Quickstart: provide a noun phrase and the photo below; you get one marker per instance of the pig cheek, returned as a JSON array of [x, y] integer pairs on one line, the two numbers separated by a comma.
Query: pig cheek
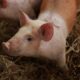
[[14, 45], [28, 49]]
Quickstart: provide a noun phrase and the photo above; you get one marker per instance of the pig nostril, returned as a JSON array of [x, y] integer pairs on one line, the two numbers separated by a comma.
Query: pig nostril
[[5, 46]]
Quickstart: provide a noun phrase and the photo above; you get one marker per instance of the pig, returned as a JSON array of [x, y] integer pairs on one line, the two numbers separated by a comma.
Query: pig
[[10, 8], [46, 35]]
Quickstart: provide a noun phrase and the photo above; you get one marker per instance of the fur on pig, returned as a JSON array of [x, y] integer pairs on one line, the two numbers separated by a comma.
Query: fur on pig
[[10, 8], [39, 38]]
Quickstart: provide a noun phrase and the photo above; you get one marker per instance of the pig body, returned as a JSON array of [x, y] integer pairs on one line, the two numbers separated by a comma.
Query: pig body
[[55, 48], [45, 36], [10, 8]]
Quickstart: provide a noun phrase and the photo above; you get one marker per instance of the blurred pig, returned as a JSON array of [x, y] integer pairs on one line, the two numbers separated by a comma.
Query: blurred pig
[[10, 8]]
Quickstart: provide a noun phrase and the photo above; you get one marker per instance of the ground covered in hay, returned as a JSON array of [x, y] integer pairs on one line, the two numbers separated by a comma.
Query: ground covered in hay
[[22, 68]]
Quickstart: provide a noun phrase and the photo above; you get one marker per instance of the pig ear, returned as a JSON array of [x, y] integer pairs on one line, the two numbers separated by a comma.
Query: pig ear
[[23, 18], [46, 31]]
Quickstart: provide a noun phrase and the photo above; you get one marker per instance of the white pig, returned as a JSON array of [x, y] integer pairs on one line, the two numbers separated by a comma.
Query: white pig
[[10, 8], [45, 36]]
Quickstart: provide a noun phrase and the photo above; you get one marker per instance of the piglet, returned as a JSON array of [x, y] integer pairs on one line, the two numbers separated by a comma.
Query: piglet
[[10, 8], [45, 36]]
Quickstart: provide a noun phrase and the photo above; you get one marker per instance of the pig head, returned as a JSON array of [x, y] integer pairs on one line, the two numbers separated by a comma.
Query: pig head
[[27, 41]]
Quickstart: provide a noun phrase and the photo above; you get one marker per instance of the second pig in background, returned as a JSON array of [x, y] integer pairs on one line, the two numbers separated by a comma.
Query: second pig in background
[[10, 8]]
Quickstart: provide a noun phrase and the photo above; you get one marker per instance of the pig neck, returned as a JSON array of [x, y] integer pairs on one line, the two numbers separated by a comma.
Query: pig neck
[[60, 27]]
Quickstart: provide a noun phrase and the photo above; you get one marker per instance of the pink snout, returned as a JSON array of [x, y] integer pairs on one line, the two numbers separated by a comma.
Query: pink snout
[[6, 46], [11, 45]]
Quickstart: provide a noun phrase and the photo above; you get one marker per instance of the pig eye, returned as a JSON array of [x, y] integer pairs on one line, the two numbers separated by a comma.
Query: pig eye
[[29, 39]]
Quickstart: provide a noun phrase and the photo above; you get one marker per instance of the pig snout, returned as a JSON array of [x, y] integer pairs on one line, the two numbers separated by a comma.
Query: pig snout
[[10, 46], [6, 46]]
